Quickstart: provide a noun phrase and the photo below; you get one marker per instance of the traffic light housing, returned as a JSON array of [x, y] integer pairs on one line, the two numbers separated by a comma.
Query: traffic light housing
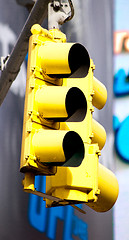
[[90, 183], [60, 137]]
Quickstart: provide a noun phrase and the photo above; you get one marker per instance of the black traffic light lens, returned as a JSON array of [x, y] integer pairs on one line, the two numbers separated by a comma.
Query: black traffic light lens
[[79, 61], [73, 149], [76, 105]]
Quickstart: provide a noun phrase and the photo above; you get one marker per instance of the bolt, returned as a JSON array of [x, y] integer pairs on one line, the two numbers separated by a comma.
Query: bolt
[[36, 29]]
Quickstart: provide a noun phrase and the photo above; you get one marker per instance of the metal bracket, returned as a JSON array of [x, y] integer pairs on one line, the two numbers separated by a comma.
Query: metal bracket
[[59, 12], [54, 199]]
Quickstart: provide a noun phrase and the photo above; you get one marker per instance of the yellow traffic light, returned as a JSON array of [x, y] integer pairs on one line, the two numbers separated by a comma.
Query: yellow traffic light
[[45, 143], [89, 183], [60, 137]]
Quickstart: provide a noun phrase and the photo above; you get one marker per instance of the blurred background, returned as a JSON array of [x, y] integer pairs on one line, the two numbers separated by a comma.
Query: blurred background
[[102, 27]]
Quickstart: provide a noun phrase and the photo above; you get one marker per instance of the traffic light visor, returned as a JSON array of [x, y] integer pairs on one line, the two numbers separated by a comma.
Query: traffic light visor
[[63, 60], [61, 103], [58, 148]]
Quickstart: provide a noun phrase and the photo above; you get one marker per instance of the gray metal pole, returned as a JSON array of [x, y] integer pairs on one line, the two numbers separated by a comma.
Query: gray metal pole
[[8, 75]]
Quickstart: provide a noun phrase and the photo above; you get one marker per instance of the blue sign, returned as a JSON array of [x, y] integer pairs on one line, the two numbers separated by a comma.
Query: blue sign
[[45, 219], [121, 89]]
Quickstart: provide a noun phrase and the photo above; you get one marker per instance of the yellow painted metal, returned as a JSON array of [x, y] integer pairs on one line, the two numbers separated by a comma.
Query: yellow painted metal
[[99, 134], [29, 181], [60, 137], [96, 185], [54, 58], [52, 146], [58, 59], [51, 101], [48, 145], [32, 122], [100, 94], [109, 190], [62, 59], [37, 29], [78, 184], [82, 184], [37, 118]]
